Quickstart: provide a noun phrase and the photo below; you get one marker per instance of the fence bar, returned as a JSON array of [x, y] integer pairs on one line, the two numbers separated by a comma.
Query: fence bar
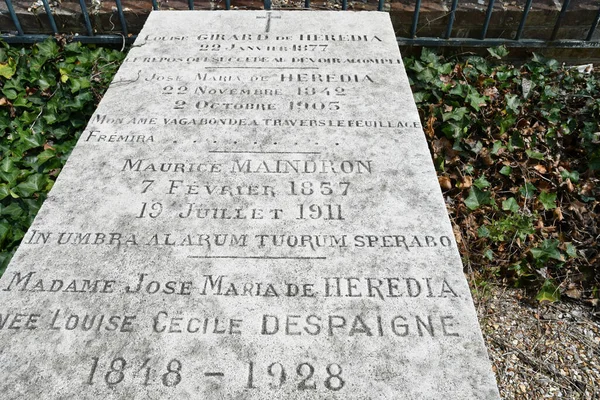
[[154, 5], [96, 39], [522, 23], [14, 17], [86, 18], [267, 4], [523, 43], [306, 3], [451, 21], [413, 28], [380, 5], [50, 17], [227, 4], [594, 26], [121, 17], [488, 18], [344, 5], [563, 11], [191, 4]]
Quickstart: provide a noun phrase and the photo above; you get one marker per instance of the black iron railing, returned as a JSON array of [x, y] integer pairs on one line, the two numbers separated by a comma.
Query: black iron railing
[[19, 36]]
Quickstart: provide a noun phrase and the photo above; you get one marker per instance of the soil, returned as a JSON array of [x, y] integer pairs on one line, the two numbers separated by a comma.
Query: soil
[[540, 350]]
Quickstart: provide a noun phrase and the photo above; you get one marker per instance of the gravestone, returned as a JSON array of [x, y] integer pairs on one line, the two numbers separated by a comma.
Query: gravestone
[[251, 213]]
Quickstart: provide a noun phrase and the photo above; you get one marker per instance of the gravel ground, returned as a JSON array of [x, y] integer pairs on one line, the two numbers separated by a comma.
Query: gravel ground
[[541, 351]]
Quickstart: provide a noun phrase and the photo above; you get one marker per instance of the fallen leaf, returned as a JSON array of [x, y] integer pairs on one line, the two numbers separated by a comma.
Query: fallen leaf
[[558, 214], [467, 182], [445, 183], [573, 293], [587, 189], [570, 186], [485, 157]]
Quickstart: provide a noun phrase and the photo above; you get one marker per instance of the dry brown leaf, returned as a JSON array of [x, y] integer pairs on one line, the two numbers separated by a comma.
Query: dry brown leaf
[[570, 186], [558, 214], [587, 189], [457, 234], [467, 182], [540, 168], [491, 92], [429, 126], [3, 101], [485, 157], [573, 293], [540, 224], [445, 183]]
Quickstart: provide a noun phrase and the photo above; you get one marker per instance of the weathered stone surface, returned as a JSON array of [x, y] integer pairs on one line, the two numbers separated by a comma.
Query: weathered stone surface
[[251, 213]]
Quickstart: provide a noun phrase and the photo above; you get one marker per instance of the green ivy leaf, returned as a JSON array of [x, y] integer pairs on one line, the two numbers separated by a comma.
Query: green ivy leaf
[[489, 254], [46, 155], [483, 232], [475, 100], [34, 183], [548, 200], [9, 177], [548, 250], [477, 198], [521, 270], [571, 250], [30, 140], [497, 147], [421, 97], [498, 52], [48, 48], [573, 176], [548, 292], [506, 170], [513, 103], [456, 114], [7, 164], [8, 69], [481, 182], [13, 210], [527, 190], [78, 84], [4, 191], [510, 204], [4, 231], [458, 90], [503, 75], [534, 154], [10, 94], [64, 75], [516, 140]]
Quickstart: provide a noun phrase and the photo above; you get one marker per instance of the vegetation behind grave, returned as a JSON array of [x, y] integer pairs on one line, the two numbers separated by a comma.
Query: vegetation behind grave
[[517, 152], [48, 93]]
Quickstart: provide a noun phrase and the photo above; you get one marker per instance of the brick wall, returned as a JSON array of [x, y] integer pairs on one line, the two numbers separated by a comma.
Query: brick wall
[[433, 18]]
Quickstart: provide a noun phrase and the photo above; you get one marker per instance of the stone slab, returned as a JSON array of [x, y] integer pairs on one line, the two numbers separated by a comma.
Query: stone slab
[[251, 213]]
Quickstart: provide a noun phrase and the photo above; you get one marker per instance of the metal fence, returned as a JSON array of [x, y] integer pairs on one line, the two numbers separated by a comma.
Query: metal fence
[[19, 36]]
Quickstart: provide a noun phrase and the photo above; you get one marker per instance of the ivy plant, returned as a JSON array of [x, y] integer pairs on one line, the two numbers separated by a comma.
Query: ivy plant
[[47, 94]]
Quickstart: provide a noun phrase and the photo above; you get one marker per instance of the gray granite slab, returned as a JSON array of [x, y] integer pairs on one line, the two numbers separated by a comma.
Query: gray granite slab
[[251, 213]]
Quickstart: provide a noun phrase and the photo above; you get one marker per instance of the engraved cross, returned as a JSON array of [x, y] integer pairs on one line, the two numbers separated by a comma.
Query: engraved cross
[[268, 17]]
